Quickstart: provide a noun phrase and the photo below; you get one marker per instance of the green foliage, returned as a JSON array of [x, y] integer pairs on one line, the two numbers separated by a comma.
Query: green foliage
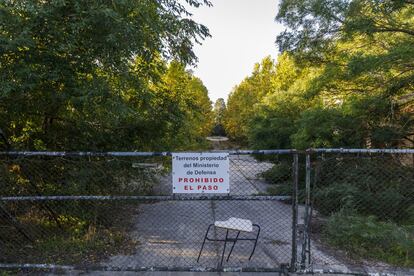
[[367, 186], [87, 236], [278, 173], [344, 79], [100, 76], [336, 197], [219, 113], [76, 176], [363, 48], [367, 237], [280, 179], [78, 75], [274, 122], [189, 116], [368, 205], [326, 128], [241, 101]]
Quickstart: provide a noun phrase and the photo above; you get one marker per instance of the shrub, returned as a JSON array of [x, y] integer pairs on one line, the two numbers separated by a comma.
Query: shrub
[[335, 197], [365, 236], [281, 178], [280, 172], [382, 187]]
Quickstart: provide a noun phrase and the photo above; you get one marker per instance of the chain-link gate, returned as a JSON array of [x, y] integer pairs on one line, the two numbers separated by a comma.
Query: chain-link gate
[[116, 211], [359, 211], [330, 210]]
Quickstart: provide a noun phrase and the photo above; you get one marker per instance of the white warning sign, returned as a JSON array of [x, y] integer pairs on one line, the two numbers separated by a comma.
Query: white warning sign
[[205, 172]]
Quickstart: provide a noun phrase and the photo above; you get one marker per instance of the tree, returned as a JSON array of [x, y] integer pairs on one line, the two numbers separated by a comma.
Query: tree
[[191, 110], [219, 112], [243, 98], [365, 48], [74, 72], [275, 116]]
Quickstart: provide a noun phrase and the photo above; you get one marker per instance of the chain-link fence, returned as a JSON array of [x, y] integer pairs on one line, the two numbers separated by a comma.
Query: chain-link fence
[[360, 214], [325, 209], [116, 211]]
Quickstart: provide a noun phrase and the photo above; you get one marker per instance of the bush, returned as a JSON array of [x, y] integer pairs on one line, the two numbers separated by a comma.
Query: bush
[[365, 236], [281, 178], [381, 187], [280, 172], [75, 176], [333, 198]]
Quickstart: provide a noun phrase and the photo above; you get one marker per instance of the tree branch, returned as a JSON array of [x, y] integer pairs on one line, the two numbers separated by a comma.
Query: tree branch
[[394, 30]]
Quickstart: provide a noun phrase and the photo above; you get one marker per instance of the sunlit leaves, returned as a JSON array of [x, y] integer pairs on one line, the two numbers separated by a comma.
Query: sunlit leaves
[[89, 74]]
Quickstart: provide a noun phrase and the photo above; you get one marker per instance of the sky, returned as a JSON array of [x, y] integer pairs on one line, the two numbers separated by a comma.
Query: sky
[[243, 33]]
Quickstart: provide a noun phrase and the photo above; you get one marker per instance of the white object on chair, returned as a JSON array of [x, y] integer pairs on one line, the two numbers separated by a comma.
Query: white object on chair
[[237, 224]]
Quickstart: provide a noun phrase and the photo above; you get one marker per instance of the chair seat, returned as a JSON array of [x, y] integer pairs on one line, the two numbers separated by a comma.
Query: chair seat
[[238, 224]]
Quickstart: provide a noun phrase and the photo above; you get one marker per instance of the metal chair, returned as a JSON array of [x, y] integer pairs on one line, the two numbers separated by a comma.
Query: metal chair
[[232, 224]]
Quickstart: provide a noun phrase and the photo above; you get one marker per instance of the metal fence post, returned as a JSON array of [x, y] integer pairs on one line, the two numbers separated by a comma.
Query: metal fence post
[[306, 240], [294, 211]]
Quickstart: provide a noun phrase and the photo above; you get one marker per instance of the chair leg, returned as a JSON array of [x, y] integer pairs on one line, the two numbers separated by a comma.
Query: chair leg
[[255, 242], [204, 241], [224, 247], [234, 243]]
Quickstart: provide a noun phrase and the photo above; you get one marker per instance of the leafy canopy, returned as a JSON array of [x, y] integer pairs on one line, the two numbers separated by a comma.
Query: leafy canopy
[[89, 74]]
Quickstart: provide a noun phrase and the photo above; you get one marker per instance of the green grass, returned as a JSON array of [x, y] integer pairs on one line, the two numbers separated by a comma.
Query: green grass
[[92, 235], [72, 248], [366, 237], [81, 249]]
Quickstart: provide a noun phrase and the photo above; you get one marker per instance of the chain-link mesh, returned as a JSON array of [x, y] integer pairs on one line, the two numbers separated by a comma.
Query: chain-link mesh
[[118, 212], [362, 216]]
